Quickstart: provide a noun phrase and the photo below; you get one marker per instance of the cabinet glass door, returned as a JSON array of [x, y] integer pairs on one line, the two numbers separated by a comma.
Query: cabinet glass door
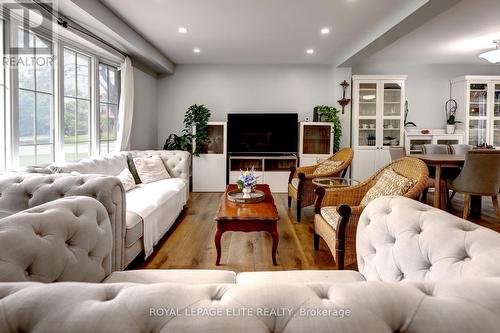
[[392, 114], [478, 100], [216, 143], [477, 131], [392, 99], [367, 135], [496, 117], [316, 139], [416, 144], [367, 99]]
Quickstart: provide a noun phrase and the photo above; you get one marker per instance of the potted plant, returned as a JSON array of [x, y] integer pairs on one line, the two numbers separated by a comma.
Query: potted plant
[[330, 114], [451, 122], [195, 129]]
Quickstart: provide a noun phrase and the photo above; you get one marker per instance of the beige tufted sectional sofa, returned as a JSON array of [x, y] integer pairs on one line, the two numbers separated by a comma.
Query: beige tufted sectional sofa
[[94, 177], [421, 270]]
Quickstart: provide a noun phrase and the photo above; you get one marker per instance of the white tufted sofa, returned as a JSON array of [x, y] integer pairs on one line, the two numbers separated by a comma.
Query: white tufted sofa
[[25, 190], [413, 278]]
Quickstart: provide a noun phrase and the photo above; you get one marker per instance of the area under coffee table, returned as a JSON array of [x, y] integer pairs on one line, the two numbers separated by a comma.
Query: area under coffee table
[[261, 216]]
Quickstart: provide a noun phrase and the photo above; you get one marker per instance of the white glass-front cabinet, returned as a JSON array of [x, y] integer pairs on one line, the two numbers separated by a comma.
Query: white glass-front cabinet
[[378, 107], [209, 169], [478, 99]]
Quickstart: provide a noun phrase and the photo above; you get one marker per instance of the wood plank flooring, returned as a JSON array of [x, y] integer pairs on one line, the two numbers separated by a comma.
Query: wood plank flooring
[[190, 242]]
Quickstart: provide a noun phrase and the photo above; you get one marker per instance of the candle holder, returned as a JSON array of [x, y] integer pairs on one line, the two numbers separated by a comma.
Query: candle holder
[[344, 101]]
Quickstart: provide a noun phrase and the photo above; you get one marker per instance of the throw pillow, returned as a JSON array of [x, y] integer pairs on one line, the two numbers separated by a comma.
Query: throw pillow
[[389, 183], [127, 179], [150, 169], [327, 167], [133, 170]]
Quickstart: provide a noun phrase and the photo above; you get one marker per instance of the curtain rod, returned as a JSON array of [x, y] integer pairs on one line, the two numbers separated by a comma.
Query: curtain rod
[[71, 25]]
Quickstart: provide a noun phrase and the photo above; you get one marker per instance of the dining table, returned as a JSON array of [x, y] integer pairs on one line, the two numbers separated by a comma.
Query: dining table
[[439, 162]]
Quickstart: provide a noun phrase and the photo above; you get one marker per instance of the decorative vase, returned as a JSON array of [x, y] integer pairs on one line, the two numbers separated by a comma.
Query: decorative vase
[[246, 192], [450, 129]]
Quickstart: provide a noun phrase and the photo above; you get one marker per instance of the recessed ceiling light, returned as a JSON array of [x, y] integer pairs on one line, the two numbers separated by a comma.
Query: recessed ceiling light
[[325, 31], [196, 50], [183, 30], [310, 51]]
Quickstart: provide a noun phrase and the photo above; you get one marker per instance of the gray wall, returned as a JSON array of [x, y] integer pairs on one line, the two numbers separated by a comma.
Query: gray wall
[[232, 88], [428, 86], [144, 126]]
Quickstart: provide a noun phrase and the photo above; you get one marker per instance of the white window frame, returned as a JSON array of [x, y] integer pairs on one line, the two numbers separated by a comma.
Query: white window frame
[[10, 120], [98, 111]]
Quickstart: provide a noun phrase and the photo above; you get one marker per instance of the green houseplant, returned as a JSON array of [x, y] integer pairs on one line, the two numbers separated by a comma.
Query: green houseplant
[[331, 114], [195, 129]]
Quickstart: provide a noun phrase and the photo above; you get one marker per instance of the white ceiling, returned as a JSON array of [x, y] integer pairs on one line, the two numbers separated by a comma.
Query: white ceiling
[[456, 36], [261, 31]]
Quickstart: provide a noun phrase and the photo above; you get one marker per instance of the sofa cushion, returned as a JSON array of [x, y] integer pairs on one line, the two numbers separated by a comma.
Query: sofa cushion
[[307, 276], [133, 170], [150, 169], [327, 167], [331, 216], [187, 276], [134, 229], [389, 183], [127, 179]]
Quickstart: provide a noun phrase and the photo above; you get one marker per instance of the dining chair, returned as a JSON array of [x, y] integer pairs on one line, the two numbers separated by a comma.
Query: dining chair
[[480, 176], [397, 152], [435, 149], [300, 185], [337, 225], [460, 149]]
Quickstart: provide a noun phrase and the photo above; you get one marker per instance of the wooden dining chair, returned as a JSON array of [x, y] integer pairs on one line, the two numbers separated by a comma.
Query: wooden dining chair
[[480, 176]]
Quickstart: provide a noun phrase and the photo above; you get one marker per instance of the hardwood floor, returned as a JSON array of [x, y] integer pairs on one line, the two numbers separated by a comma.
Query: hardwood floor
[[190, 242]]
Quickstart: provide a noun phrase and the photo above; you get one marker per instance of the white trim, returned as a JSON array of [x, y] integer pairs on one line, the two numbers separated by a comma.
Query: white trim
[[379, 77]]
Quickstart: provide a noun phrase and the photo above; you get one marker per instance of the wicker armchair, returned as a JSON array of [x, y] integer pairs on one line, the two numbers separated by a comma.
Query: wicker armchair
[[342, 239], [300, 186]]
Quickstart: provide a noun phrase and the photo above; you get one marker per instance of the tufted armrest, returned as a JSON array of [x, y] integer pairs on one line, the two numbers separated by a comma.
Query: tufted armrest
[[67, 239], [23, 191], [403, 239]]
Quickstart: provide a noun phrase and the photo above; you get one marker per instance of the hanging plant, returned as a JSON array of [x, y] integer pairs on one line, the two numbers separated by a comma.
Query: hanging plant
[[331, 114]]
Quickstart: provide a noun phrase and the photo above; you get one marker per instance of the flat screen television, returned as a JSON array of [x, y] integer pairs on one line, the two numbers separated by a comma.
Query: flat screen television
[[262, 133]]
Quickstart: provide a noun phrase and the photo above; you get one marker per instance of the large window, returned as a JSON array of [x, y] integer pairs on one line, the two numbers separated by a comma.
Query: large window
[[62, 98], [109, 92], [35, 91], [77, 105]]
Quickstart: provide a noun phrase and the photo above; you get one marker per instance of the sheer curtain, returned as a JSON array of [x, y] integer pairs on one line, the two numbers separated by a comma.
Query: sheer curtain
[[126, 106]]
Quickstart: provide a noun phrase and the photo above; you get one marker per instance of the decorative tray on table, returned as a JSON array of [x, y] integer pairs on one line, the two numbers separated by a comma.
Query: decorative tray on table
[[237, 196]]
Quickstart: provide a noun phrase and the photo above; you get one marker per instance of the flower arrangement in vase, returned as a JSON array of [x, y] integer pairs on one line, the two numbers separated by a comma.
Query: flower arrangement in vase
[[247, 181]]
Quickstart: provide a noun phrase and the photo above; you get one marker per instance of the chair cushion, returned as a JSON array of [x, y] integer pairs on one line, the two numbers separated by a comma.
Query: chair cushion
[[295, 182], [306, 276], [134, 228], [186, 276], [331, 216], [389, 183], [327, 167]]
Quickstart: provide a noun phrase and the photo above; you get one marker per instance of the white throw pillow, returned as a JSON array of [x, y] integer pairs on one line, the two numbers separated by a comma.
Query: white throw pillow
[[127, 179], [150, 169]]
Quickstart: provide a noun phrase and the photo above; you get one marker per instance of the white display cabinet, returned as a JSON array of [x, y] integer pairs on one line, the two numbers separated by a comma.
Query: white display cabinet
[[378, 105], [209, 169], [478, 99], [315, 142], [414, 139]]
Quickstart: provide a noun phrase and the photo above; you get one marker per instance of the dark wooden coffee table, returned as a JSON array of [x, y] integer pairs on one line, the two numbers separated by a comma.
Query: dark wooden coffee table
[[261, 216]]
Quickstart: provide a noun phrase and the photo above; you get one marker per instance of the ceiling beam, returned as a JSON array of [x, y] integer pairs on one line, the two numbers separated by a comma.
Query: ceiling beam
[[422, 15], [99, 19]]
